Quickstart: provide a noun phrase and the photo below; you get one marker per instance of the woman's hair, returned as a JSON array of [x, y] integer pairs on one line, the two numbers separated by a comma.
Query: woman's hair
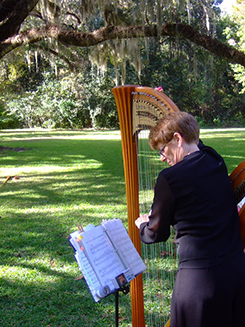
[[181, 122]]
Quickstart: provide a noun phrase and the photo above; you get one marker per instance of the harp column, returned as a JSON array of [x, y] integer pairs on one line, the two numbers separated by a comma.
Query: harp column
[[124, 106]]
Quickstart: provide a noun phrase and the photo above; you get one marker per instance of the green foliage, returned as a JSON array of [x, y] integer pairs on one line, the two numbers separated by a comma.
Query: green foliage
[[196, 81], [98, 98], [38, 90], [7, 121], [73, 101], [235, 36]]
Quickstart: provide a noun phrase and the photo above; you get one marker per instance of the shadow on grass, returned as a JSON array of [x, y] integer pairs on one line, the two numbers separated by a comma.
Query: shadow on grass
[[62, 182], [38, 277], [63, 302], [91, 168]]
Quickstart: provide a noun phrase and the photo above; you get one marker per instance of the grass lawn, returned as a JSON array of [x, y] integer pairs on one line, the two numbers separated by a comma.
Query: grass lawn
[[63, 178]]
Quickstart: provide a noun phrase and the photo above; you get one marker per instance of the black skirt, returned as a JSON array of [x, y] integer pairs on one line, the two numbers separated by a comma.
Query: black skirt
[[210, 297]]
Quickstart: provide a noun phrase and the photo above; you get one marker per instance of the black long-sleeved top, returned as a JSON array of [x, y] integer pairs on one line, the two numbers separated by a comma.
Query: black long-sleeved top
[[195, 197]]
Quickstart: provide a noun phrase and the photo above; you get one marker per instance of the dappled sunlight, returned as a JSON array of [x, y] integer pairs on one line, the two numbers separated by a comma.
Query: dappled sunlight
[[223, 133], [63, 182], [79, 162], [45, 293], [96, 214], [44, 134], [28, 276]]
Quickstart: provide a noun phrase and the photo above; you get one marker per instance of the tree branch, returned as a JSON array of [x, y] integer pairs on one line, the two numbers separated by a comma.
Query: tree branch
[[74, 38], [13, 13]]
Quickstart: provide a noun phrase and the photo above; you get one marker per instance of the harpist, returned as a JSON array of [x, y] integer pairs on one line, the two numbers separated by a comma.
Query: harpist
[[195, 196]]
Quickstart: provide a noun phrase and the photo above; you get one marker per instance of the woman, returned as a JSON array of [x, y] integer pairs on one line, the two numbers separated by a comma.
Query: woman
[[195, 196]]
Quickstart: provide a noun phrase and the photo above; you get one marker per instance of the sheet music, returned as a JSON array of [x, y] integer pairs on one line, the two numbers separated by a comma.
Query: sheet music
[[88, 274], [103, 253], [123, 242], [103, 256]]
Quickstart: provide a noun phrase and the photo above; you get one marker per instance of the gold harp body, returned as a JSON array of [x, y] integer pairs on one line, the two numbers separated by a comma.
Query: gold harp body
[[139, 108]]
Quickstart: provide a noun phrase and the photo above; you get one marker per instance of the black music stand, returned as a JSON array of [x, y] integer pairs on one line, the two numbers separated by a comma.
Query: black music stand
[[125, 290]]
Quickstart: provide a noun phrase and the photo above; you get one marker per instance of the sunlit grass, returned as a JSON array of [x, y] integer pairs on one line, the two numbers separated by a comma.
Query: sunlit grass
[[230, 143], [65, 177]]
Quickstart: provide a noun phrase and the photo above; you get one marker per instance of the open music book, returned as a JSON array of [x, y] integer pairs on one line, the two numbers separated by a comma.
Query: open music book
[[106, 257]]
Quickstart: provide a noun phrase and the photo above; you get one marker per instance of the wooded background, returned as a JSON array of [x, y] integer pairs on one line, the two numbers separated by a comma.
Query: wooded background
[[60, 59]]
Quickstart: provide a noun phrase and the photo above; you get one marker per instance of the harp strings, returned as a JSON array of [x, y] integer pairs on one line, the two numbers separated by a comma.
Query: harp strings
[[160, 259]]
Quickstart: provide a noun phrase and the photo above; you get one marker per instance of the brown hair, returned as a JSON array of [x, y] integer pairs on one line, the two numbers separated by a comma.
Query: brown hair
[[181, 122]]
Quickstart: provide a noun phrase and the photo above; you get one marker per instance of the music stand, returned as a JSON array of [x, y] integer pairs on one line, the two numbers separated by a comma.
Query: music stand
[[125, 290]]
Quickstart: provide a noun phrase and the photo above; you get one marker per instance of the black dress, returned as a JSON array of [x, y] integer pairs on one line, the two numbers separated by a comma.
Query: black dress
[[195, 197]]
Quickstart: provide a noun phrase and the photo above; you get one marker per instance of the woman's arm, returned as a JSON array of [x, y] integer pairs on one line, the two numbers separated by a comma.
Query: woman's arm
[[156, 227]]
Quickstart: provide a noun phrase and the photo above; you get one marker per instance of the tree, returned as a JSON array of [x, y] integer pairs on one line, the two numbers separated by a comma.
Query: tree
[[235, 34], [88, 23], [156, 42]]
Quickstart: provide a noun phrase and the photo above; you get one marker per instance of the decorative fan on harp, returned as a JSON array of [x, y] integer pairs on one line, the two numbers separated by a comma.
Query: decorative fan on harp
[[139, 108], [147, 109]]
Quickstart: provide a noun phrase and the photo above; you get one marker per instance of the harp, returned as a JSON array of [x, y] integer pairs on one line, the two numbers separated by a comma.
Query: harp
[[139, 108], [237, 178]]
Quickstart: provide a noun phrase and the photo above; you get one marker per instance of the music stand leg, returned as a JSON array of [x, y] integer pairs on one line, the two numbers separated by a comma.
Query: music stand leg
[[125, 290], [116, 307]]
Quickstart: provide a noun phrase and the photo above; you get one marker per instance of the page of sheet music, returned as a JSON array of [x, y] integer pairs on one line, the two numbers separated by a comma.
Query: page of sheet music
[[123, 242], [89, 274], [102, 256]]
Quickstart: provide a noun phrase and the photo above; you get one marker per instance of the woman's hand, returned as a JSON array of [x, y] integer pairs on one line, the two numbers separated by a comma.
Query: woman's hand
[[141, 219]]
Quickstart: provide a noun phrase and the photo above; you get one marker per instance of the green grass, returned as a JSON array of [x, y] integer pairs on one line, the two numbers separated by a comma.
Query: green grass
[[65, 177], [230, 143]]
